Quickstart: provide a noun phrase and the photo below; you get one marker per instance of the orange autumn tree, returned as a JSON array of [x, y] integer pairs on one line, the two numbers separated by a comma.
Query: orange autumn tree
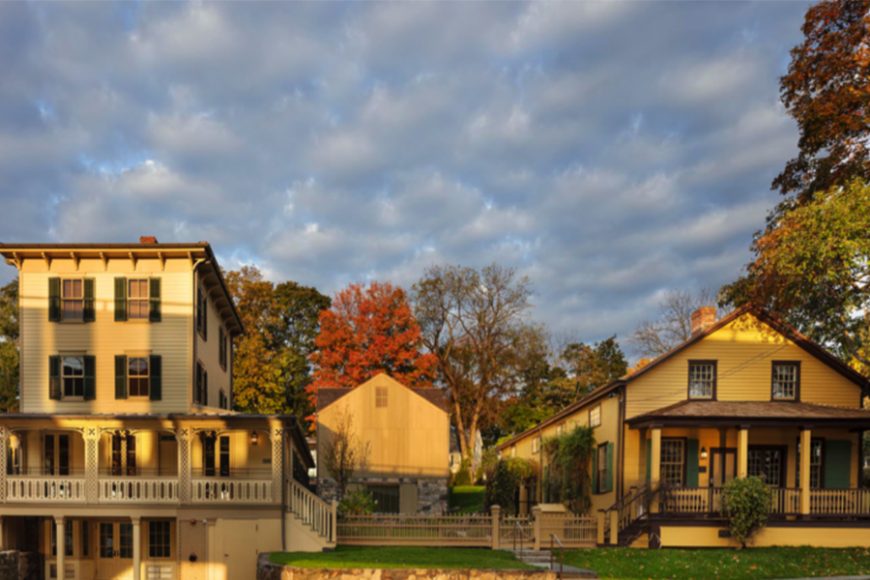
[[369, 330]]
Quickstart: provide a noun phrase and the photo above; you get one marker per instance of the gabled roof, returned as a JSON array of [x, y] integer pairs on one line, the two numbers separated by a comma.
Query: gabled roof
[[762, 315], [328, 395]]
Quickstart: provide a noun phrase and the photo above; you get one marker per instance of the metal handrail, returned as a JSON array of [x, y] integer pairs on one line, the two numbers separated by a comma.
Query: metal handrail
[[518, 532], [554, 539]]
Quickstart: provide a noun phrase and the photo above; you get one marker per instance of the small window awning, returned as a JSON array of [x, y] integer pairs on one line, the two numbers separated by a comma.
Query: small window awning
[[752, 413]]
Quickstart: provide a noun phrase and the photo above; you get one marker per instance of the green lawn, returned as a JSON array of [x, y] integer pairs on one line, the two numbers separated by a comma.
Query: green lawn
[[466, 499], [401, 557], [716, 563]]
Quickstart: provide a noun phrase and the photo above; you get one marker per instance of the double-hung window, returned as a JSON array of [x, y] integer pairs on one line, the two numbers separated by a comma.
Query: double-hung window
[[138, 301], [785, 381], [138, 376], [201, 314], [595, 416], [72, 299], [159, 544], [73, 376], [702, 379], [673, 462], [601, 474]]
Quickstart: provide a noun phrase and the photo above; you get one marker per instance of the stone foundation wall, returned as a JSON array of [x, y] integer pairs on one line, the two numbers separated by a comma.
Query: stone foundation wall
[[268, 571], [431, 493]]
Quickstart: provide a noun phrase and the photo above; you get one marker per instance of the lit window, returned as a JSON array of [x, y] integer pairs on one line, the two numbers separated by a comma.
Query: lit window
[[72, 300], [785, 381], [381, 397], [137, 376], [73, 377], [137, 299], [595, 416], [673, 456], [702, 379]]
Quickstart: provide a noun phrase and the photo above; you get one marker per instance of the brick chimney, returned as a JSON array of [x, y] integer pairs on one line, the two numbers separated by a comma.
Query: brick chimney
[[147, 239], [703, 318]]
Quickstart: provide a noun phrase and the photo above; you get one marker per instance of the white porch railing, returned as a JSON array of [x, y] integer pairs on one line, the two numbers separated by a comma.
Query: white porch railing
[[313, 511], [139, 489], [214, 490], [45, 489], [840, 502]]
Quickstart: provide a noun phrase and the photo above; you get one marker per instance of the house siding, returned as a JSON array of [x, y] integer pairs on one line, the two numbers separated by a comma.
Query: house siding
[[208, 352]]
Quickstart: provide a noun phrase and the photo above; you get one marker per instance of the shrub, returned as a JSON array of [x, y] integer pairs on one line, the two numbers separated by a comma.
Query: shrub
[[504, 481], [358, 502], [463, 476], [568, 476], [746, 503]]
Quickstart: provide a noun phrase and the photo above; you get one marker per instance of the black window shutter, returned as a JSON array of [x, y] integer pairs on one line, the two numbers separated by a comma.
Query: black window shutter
[[120, 299], [154, 299], [204, 317], [88, 314], [120, 376], [204, 387], [155, 369], [90, 377], [54, 299], [54, 377]]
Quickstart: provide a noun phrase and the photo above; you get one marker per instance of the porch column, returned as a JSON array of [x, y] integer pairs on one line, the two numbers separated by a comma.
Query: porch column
[[4, 442], [182, 439], [742, 452], [91, 437], [806, 453], [655, 464], [276, 434], [60, 546], [137, 548]]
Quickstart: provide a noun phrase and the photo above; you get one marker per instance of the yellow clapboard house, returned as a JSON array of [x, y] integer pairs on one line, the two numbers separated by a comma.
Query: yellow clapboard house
[[125, 460], [746, 395]]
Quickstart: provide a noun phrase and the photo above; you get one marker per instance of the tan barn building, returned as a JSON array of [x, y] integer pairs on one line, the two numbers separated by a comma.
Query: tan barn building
[[746, 395], [404, 435], [125, 460]]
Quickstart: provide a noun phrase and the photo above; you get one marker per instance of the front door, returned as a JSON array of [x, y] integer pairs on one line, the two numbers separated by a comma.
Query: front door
[[718, 477], [115, 551]]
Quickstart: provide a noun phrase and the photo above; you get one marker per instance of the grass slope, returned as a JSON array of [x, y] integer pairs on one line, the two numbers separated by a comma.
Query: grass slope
[[401, 557], [715, 563], [466, 499]]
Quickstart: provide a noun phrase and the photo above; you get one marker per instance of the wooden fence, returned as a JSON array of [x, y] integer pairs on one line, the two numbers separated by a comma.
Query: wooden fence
[[473, 531]]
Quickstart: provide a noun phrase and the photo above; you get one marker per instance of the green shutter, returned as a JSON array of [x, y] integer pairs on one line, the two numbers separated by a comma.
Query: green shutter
[[54, 377], [90, 377], [648, 460], [120, 376], [88, 314], [594, 470], [120, 299], [54, 299], [838, 463], [692, 463], [154, 299], [608, 470], [155, 368]]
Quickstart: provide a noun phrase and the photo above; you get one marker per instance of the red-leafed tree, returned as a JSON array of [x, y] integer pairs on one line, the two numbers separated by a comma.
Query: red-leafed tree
[[369, 330]]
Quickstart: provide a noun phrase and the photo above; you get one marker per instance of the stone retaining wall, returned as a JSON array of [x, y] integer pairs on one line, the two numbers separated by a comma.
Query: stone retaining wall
[[268, 571]]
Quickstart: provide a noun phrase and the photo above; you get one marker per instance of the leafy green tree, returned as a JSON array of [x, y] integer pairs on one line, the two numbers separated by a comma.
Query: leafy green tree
[[9, 359], [813, 267], [270, 366], [591, 366], [568, 458], [746, 503], [504, 480]]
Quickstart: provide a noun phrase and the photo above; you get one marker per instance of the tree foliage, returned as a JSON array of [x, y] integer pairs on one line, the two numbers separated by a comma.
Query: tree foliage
[[473, 322], [9, 358], [504, 480], [368, 331], [827, 91], [673, 325], [271, 369], [814, 268], [746, 502], [568, 458], [591, 366]]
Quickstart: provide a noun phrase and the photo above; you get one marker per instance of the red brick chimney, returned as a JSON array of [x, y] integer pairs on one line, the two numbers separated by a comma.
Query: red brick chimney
[[703, 318], [147, 239]]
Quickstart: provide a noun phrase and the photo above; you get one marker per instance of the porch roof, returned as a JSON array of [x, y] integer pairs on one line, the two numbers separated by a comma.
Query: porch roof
[[758, 413]]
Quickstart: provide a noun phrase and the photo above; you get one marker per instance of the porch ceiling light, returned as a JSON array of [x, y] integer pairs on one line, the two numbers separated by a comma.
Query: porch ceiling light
[[255, 438], [703, 453]]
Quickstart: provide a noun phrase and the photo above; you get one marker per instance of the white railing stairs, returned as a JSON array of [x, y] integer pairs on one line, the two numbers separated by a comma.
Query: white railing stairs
[[320, 516]]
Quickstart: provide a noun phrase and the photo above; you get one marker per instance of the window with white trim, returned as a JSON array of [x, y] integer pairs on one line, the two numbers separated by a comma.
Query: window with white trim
[[72, 299], [595, 416], [702, 379], [785, 381], [73, 376], [138, 304], [138, 376]]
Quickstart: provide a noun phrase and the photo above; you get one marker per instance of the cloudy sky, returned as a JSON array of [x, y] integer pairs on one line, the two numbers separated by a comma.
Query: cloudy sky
[[610, 151]]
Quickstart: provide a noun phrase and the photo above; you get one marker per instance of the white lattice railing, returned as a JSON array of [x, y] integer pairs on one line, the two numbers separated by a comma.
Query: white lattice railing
[[840, 502], [313, 511], [215, 490], [45, 489], [139, 489], [418, 530]]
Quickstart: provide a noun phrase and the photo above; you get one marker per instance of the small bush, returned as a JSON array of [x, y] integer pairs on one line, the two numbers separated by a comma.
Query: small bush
[[504, 481], [358, 502], [463, 476], [747, 505]]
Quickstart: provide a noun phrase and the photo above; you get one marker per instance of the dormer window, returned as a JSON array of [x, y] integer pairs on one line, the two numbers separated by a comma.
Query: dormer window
[[702, 379], [785, 381]]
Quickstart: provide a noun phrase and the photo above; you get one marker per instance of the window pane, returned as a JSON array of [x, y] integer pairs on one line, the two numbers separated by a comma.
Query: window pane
[[766, 464], [126, 540], [73, 366], [785, 378], [673, 461], [158, 539], [702, 380], [386, 498], [107, 540]]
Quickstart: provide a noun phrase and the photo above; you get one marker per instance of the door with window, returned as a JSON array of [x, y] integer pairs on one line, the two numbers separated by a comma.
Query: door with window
[[115, 551], [719, 476], [56, 454], [123, 453]]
